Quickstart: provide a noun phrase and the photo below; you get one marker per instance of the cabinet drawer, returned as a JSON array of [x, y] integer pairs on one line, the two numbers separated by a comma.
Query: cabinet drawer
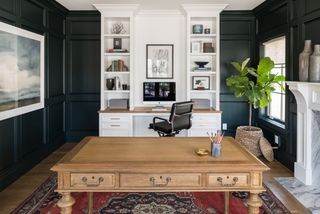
[[92, 180], [201, 132], [115, 132], [160, 180], [115, 125], [229, 179], [205, 118], [115, 118]]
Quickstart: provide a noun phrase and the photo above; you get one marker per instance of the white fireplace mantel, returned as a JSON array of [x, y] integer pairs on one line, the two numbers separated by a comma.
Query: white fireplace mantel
[[307, 95]]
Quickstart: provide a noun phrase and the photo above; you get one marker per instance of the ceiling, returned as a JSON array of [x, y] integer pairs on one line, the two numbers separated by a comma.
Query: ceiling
[[160, 4]]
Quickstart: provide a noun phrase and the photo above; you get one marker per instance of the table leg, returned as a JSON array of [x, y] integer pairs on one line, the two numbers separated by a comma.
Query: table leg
[[90, 202], [65, 203], [226, 202], [254, 202]]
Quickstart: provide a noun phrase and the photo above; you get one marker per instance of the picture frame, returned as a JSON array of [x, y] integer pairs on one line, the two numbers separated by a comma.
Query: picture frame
[[196, 47], [159, 61], [21, 71], [201, 82], [117, 43]]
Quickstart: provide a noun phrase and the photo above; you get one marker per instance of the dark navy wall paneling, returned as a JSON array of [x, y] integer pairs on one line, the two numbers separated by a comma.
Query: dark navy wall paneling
[[237, 44], [28, 138], [298, 20], [82, 74]]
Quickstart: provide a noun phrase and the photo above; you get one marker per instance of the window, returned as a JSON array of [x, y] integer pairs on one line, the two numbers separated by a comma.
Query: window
[[276, 50]]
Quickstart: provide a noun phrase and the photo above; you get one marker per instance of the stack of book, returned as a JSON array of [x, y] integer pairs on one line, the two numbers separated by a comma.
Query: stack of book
[[117, 50], [117, 65], [201, 69]]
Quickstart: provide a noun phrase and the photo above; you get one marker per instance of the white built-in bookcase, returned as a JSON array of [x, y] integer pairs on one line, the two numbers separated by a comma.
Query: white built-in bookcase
[[209, 17], [116, 14]]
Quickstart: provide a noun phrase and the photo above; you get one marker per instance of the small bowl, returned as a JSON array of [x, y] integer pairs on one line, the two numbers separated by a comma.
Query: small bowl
[[202, 152], [201, 64]]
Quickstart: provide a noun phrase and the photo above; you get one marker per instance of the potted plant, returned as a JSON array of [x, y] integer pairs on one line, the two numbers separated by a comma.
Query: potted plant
[[256, 85]]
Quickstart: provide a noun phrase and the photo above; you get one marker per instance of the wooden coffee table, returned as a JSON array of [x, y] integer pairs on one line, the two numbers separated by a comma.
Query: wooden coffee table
[[167, 164]]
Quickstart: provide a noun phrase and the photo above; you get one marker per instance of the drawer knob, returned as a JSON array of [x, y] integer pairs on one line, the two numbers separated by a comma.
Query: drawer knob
[[93, 183], [234, 181], [155, 184]]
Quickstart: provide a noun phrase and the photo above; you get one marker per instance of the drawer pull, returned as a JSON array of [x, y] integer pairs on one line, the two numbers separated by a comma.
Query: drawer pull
[[115, 125], [92, 183], [234, 181], [153, 182], [115, 118]]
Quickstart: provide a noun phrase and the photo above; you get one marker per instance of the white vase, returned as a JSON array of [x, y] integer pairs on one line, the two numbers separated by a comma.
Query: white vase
[[304, 57], [314, 71]]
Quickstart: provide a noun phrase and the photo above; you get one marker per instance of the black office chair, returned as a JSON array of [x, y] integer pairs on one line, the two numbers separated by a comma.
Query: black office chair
[[180, 118]]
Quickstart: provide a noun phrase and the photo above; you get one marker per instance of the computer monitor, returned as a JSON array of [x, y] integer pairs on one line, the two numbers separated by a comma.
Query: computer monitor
[[159, 92]]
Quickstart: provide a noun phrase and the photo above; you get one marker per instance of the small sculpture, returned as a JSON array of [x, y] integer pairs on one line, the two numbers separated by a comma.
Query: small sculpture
[[118, 28]]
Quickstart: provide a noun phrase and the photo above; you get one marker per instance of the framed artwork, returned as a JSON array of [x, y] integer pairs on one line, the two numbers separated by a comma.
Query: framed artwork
[[195, 47], [201, 82], [159, 61], [21, 71], [117, 43]]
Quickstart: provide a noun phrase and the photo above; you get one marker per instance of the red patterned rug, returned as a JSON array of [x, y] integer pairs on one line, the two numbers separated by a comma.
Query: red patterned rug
[[44, 200]]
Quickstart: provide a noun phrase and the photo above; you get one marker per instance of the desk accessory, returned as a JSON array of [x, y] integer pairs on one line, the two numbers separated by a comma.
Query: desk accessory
[[202, 152], [216, 141]]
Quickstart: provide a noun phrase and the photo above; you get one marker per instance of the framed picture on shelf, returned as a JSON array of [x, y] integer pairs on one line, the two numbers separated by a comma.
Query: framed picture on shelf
[[201, 82], [117, 43], [196, 47], [21, 71], [159, 62]]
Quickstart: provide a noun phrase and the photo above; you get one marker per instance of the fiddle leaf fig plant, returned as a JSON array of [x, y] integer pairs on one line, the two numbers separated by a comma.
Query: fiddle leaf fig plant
[[255, 84]]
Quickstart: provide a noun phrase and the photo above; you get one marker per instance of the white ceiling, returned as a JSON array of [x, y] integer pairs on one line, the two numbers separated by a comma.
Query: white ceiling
[[160, 4]]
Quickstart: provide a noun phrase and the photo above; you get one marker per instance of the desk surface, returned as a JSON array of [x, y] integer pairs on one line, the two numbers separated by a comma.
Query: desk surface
[[117, 152], [149, 110]]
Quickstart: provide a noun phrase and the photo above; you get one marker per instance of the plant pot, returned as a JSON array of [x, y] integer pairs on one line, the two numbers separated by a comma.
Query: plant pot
[[249, 137]]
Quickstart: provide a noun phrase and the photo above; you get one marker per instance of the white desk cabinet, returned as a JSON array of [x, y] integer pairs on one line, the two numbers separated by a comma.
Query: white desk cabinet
[[136, 122]]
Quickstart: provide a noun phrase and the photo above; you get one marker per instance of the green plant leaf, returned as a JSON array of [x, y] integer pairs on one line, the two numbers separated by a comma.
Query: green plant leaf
[[265, 66], [244, 64], [237, 66]]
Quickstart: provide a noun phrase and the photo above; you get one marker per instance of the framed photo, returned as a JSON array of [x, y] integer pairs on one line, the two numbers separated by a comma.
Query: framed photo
[[21, 71], [117, 43], [159, 61], [195, 47], [201, 82]]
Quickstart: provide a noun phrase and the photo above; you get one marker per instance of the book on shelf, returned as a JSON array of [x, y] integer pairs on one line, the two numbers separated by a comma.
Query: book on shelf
[[117, 65], [117, 51]]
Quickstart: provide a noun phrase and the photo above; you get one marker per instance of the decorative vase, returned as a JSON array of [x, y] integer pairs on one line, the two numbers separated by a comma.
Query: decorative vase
[[249, 137], [110, 83], [304, 57], [314, 72]]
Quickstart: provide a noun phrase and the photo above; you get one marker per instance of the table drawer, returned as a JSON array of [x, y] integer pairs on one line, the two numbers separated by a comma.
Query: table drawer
[[115, 125], [92, 180], [115, 118], [160, 180], [229, 179]]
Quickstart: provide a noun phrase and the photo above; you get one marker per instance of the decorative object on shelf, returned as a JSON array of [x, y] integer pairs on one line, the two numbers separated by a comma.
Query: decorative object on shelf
[[117, 43], [125, 87], [118, 103], [21, 71], [304, 59], [255, 84], [314, 73], [117, 65], [111, 50], [117, 83], [207, 31], [207, 47], [197, 29], [118, 28], [110, 83], [159, 63], [201, 64], [196, 47], [201, 82], [201, 103]]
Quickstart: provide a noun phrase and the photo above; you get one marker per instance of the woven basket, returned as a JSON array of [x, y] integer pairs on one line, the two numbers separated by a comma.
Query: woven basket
[[249, 137]]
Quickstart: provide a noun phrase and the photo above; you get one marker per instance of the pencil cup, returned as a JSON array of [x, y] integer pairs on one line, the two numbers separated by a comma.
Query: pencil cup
[[216, 149]]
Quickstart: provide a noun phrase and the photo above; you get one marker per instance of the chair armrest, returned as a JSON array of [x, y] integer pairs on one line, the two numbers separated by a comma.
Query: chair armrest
[[159, 118]]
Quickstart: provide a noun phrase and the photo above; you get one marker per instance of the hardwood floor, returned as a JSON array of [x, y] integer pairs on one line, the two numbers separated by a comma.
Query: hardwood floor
[[17, 192]]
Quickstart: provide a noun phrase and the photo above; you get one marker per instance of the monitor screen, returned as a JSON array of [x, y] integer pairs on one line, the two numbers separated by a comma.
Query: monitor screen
[[159, 91]]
